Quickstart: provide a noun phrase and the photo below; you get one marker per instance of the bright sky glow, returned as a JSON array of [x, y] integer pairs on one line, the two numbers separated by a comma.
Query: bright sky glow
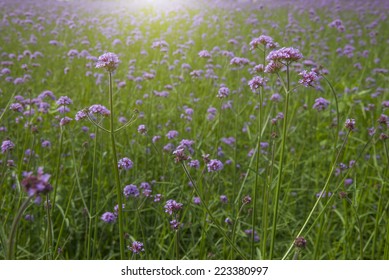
[[163, 4]]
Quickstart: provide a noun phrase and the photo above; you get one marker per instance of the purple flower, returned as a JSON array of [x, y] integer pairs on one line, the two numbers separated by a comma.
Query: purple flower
[[320, 104], [161, 44], [194, 164], [125, 163], [285, 55], [179, 154], [99, 109], [264, 40], [36, 185], [223, 198], [273, 67], [136, 247], [108, 217], [109, 61], [259, 68], [246, 199], [172, 134], [239, 61], [214, 165], [157, 197], [156, 138], [46, 144], [196, 200], [223, 92], [172, 206], [131, 190], [348, 182], [17, 107], [350, 124], [64, 100], [65, 121], [249, 232], [276, 97], [175, 225], [204, 54], [7, 145], [142, 129], [116, 209], [256, 82], [308, 79], [383, 119], [81, 115]]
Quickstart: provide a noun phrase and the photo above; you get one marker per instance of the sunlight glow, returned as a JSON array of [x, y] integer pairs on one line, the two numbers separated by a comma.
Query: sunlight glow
[[163, 4]]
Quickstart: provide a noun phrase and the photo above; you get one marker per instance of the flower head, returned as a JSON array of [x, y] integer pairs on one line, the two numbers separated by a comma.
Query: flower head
[[256, 82], [204, 54], [125, 163], [285, 55], [308, 79], [131, 190], [172, 206], [320, 104], [7, 145], [175, 225], [108, 217], [35, 185], [264, 40], [300, 242], [214, 165], [180, 155], [142, 129], [223, 92], [99, 109], [350, 124], [109, 61], [136, 247]]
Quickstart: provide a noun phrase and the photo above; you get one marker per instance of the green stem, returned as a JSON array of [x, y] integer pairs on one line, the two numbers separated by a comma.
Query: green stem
[[236, 223], [11, 242], [232, 244], [91, 196], [254, 216], [49, 244], [319, 198], [116, 171], [57, 170], [280, 168]]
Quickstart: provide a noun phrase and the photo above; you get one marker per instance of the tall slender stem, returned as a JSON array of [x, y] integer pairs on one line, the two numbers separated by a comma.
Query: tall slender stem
[[281, 165], [12, 236], [116, 171], [254, 215], [232, 244], [322, 191], [90, 231]]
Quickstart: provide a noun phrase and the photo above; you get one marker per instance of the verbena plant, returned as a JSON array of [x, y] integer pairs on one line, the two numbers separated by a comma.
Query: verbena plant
[[217, 131]]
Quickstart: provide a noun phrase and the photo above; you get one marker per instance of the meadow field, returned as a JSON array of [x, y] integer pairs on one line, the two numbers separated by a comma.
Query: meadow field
[[224, 130]]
